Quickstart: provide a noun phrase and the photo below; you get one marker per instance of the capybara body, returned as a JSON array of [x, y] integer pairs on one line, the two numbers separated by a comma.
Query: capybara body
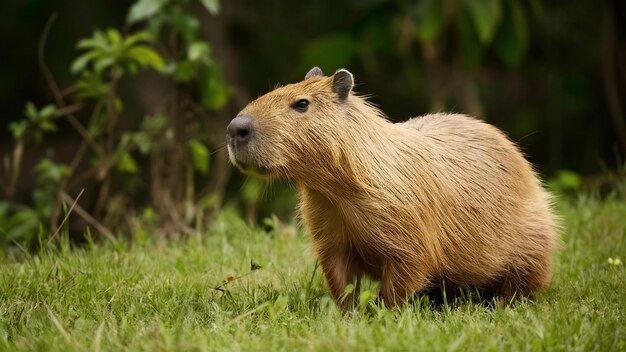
[[442, 198]]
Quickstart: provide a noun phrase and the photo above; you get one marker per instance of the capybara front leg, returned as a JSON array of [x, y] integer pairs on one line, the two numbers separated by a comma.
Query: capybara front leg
[[398, 285], [339, 272]]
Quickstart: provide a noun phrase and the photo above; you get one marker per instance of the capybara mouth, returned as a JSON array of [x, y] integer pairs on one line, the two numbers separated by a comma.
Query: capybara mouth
[[240, 160]]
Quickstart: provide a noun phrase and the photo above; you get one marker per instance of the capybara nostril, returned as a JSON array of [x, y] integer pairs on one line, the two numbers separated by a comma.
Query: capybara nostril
[[240, 129]]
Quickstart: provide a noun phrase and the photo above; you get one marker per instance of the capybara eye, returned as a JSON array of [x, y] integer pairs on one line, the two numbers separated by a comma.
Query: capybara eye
[[301, 105]]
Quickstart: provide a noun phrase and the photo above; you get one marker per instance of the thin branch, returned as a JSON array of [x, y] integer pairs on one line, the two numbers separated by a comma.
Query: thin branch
[[69, 109], [90, 219], [54, 87], [73, 166], [65, 218]]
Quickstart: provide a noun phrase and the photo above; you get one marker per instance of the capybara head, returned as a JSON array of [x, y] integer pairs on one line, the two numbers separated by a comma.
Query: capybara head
[[296, 130]]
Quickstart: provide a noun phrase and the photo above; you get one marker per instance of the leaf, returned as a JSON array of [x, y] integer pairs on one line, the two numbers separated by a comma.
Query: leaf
[[185, 71], [30, 111], [141, 36], [82, 61], [511, 41], [47, 126], [349, 289], [213, 90], [50, 172], [18, 128], [97, 41], [127, 164], [332, 51], [143, 9], [213, 6], [48, 111], [102, 63], [365, 298], [97, 125], [91, 86], [430, 19], [200, 156], [470, 44], [154, 124], [269, 223], [198, 51], [568, 179], [486, 15], [19, 226], [186, 25], [251, 191], [147, 57], [143, 142], [114, 36]]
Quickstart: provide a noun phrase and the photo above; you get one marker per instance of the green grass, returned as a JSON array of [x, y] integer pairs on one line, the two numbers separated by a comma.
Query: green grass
[[161, 296]]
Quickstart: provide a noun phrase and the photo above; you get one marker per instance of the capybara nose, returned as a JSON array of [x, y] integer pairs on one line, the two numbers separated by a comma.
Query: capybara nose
[[240, 130]]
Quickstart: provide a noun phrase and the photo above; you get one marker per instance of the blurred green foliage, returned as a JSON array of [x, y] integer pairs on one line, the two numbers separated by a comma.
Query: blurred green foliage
[[107, 161], [139, 123]]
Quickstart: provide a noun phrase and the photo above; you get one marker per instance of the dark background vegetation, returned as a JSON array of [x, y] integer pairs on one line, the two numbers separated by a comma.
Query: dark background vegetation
[[550, 74]]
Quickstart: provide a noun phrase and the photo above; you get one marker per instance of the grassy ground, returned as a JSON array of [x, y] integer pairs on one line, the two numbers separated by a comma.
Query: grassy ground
[[162, 297]]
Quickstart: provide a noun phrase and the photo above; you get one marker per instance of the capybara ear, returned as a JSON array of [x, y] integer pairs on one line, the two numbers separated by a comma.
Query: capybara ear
[[343, 81], [315, 71]]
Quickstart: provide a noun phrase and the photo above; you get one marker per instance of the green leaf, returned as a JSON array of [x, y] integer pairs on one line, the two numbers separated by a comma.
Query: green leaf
[[102, 63], [200, 156], [143, 9], [567, 179], [141, 36], [90, 43], [50, 172], [470, 43], [154, 125], [185, 70], [347, 291], [143, 142], [330, 52], [146, 56], [18, 128], [198, 51], [430, 18], [251, 191], [97, 125], [118, 104], [486, 15], [48, 111], [47, 126], [186, 25], [511, 41], [365, 297], [91, 86], [213, 90], [19, 226], [114, 36], [30, 111], [127, 164], [82, 61], [149, 215], [213, 6]]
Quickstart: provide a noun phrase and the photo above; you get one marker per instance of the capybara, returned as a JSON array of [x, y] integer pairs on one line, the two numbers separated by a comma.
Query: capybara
[[438, 199]]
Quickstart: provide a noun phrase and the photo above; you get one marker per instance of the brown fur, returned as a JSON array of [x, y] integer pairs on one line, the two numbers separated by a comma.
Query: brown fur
[[442, 197]]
